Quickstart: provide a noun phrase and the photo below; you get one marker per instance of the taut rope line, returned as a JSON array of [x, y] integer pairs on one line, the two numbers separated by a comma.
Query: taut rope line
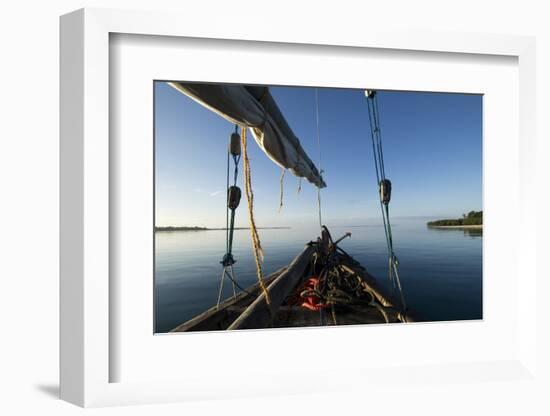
[[385, 193], [281, 194], [319, 146], [232, 202]]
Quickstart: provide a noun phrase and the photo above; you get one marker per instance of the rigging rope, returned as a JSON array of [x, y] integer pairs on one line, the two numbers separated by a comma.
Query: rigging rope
[[385, 191], [233, 197], [227, 200], [319, 146], [256, 245], [236, 159]]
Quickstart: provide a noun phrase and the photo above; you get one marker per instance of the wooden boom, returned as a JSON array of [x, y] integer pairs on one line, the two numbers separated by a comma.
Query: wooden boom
[[259, 314]]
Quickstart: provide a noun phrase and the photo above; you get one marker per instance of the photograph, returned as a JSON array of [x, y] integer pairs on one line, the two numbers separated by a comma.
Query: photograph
[[280, 207]]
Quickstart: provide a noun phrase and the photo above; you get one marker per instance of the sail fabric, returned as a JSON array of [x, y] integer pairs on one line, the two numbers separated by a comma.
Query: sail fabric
[[255, 108]]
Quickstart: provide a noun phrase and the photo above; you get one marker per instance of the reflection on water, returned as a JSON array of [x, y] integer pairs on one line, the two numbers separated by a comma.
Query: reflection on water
[[471, 232], [441, 269]]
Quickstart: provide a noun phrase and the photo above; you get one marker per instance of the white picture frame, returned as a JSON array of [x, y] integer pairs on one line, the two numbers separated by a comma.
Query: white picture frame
[[87, 355]]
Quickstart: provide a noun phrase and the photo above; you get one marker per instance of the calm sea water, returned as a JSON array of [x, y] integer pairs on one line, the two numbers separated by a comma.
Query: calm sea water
[[440, 269]]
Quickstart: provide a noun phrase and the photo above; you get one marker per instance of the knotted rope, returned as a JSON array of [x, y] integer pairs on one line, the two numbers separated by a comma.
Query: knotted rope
[[256, 244]]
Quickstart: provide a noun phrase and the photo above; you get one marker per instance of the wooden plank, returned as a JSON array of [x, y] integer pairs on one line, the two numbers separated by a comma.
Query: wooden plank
[[218, 313], [259, 314]]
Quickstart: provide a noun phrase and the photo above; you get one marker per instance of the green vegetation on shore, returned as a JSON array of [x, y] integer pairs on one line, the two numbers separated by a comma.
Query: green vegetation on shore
[[472, 218], [172, 228]]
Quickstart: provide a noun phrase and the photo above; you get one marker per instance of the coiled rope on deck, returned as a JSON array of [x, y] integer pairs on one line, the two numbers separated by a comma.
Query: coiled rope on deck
[[256, 244]]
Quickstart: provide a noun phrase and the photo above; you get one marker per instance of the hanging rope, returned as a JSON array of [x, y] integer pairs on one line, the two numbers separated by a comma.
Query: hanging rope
[[319, 147], [321, 311], [256, 245], [283, 170], [385, 193]]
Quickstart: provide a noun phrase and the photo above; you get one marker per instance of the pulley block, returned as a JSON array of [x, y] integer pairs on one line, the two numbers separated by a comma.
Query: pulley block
[[385, 191], [235, 144], [233, 197]]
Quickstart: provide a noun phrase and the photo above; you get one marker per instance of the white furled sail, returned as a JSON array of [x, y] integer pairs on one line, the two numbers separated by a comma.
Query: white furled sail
[[255, 108]]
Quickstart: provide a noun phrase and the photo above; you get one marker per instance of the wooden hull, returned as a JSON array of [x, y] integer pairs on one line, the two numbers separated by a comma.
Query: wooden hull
[[249, 310]]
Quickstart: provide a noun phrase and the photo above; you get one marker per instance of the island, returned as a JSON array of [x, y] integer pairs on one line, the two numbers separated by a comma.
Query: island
[[474, 219], [186, 228]]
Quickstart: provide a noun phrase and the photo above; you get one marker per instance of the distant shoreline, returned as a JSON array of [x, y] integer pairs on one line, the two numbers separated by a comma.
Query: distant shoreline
[[214, 229], [476, 226]]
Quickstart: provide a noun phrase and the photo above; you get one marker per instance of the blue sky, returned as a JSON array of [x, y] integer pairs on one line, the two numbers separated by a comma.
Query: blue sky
[[432, 149]]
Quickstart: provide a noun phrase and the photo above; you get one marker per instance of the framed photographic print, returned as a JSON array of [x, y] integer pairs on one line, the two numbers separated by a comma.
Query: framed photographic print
[[220, 223], [319, 265]]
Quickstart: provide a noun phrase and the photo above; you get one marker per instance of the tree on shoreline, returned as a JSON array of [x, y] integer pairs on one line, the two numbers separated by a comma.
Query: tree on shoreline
[[472, 218]]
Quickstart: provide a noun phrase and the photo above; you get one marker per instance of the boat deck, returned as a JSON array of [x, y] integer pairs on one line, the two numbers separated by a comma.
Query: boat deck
[[296, 316], [248, 310]]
